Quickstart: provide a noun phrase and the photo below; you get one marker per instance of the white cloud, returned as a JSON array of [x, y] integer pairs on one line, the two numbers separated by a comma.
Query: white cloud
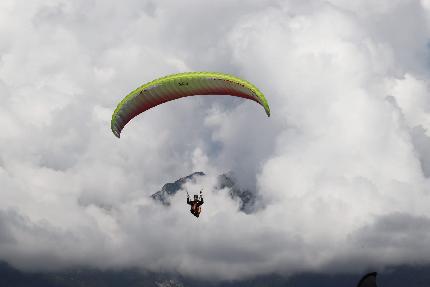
[[342, 164]]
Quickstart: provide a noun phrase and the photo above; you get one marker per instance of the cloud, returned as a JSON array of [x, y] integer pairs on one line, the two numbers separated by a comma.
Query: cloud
[[341, 165]]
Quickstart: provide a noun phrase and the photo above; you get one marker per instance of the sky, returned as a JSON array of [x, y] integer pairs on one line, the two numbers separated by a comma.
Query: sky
[[341, 167]]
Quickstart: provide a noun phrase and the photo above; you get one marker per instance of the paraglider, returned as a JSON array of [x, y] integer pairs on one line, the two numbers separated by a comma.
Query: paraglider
[[181, 85], [196, 204]]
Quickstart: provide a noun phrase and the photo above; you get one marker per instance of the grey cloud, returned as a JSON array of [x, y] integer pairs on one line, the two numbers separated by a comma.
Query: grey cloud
[[421, 142], [397, 231]]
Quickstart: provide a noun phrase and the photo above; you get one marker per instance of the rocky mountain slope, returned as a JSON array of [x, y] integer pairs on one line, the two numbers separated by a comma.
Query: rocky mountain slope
[[247, 199]]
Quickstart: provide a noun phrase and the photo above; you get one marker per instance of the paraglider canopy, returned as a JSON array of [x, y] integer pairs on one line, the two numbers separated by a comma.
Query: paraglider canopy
[[181, 85]]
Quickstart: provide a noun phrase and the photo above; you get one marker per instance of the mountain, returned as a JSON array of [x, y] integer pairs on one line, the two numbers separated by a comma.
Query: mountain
[[411, 276], [247, 198], [11, 277], [170, 189]]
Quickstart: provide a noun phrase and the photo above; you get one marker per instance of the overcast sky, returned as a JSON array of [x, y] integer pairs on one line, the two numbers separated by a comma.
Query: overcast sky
[[342, 165]]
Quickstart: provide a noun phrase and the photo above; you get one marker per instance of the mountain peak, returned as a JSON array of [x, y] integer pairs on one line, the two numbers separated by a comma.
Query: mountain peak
[[171, 188], [247, 198]]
